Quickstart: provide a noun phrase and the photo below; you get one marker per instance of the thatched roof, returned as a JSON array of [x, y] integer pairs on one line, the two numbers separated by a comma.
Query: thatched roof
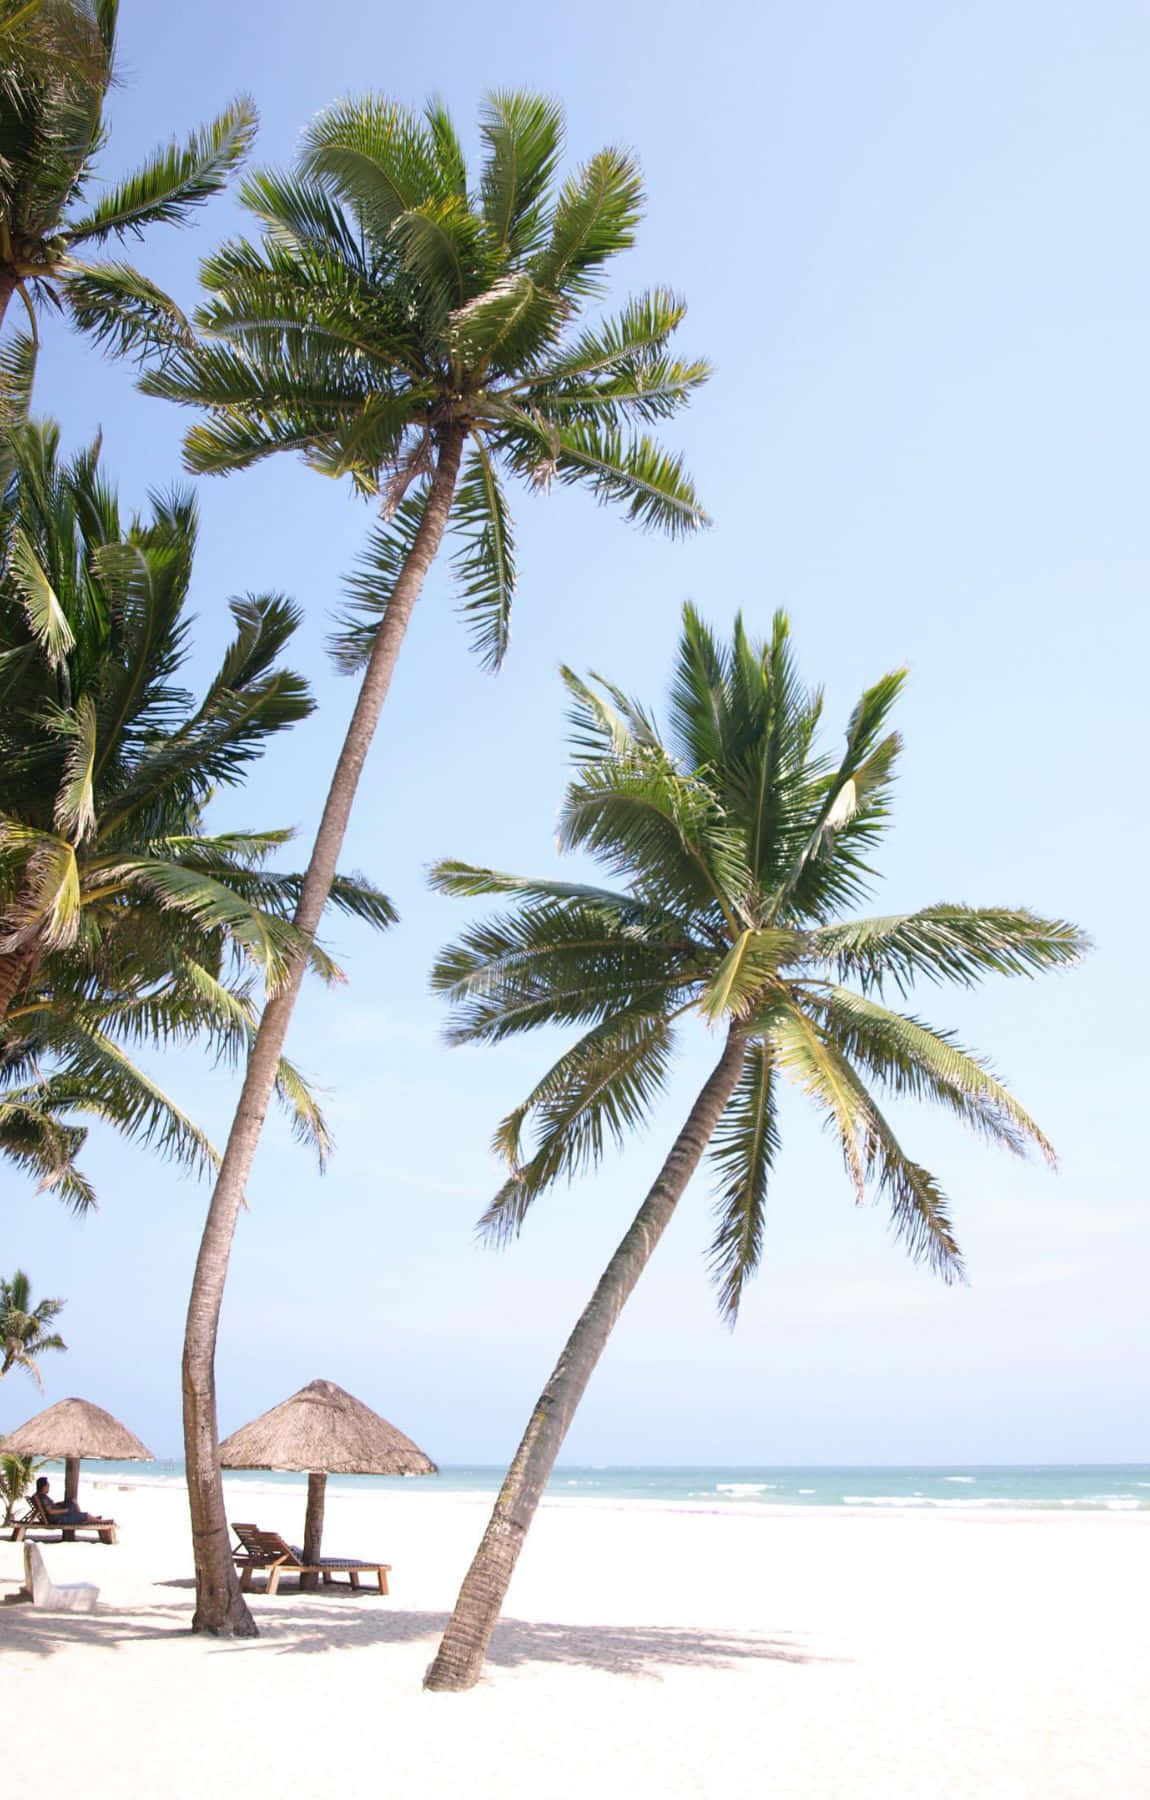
[[323, 1430], [76, 1428]]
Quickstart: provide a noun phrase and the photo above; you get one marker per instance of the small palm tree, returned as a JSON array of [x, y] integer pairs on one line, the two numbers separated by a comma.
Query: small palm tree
[[24, 1333], [424, 335], [739, 845], [16, 1474], [58, 58], [122, 920]]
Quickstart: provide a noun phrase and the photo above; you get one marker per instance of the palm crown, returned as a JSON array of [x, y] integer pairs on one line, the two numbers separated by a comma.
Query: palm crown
[[390, 304], [59, 64], [121, 918], [24, 1333], [740, 845]]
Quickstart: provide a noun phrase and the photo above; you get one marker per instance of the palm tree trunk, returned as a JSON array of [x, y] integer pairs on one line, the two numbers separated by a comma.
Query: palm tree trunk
[[9, 282], [459, 1659], [220, 1607], [16, 970]]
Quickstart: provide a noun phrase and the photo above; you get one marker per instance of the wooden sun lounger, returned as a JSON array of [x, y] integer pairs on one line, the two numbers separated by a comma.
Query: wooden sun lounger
[[35, 1519], [268, 1550]]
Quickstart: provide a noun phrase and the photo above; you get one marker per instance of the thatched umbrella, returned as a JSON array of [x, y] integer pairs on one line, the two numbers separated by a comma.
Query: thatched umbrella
[[75, 1429], [323, 1431]]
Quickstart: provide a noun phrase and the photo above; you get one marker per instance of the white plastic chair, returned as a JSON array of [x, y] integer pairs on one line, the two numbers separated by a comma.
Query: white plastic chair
[[78, 1596]]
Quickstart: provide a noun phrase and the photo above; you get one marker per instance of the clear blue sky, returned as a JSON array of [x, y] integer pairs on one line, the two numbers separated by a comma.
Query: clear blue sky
[[913, 240]]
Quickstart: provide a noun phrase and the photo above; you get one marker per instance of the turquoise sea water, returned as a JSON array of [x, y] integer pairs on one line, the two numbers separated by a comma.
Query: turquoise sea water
[[1089, 1487]]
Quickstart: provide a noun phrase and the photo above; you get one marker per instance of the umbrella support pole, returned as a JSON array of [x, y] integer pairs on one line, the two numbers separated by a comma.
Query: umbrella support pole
[[71, 1491], [313, 1526]]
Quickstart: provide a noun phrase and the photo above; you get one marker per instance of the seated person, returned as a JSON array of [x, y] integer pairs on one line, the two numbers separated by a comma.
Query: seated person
[[58, 1512]]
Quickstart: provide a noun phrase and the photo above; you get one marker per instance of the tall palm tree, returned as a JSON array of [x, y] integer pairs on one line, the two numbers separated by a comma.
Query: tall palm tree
[[424, 335], [122, 920], [739, 845], [24, 1333], [59, 62]]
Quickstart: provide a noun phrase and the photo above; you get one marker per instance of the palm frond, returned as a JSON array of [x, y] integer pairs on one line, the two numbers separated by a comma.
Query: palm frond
[[174, 180], [660, 830], [46, 618], [743, 1150], [946, 942], [601, 1089], [104, 1080], [636, 473], [596, 217], [751, 963], [871, 1152], [523, 135], [379, 159], [370, 587], [573, 961], [484, 565], [124, 311], [75, 809], [606, 725], [914, 1059], [34, 1139]]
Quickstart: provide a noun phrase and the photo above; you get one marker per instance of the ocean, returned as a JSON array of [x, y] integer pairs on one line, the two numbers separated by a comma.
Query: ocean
[[1082, 1487]]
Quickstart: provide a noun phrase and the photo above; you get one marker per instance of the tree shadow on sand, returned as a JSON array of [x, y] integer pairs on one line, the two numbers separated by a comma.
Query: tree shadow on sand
[[319, 1625]]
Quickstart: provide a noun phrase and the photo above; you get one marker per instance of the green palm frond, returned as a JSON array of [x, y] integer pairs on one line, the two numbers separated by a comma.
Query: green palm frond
[[750, 965], [104, 1080], [370, 587], [443, 249], [123, 311], [467, 881], [914, 1059], [919, 1210], [946, 942], [743, 1151], [46, 617], [46, 904], [563, 961], [213, 906], [601, 1089], [507, 328], [608, 724], [659, 829], [308, 1123], [633, 339], [524, 137], [380, 159], [76, 799], [44, 1147], [175, 180], [484, 565], [596, 217], [800, 1052], [298, 215], [636, 473]]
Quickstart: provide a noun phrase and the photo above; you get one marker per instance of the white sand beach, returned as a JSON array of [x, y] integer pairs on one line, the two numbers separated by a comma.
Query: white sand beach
[[647, 1650]]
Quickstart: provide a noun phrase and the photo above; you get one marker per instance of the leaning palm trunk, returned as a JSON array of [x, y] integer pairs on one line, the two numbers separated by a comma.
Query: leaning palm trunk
[[16, 970], [459, 1659], [220, 1607]]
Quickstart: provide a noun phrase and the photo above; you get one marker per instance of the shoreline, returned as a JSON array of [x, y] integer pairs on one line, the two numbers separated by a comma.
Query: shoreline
[[425, 1490]]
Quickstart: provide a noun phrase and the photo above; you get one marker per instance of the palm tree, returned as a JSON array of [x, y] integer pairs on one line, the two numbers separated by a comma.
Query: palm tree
[[122, 921], [739, 845], [24, 1333], [16, 1474], [59, 59], [424, 336]]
